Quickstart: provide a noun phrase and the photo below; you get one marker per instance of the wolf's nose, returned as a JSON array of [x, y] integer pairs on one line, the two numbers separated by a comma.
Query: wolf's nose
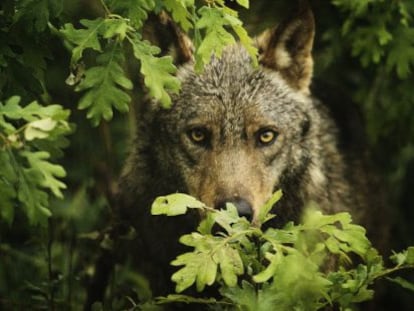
[[244, 208]]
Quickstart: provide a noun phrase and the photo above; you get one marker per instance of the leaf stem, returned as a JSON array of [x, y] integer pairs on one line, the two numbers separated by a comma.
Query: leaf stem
[[105, 7]]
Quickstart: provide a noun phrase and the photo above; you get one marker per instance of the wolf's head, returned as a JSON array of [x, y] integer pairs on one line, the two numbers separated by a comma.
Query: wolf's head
[[237, 133]]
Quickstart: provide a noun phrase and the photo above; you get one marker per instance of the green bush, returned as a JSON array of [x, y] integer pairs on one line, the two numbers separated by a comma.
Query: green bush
[[299, 267]]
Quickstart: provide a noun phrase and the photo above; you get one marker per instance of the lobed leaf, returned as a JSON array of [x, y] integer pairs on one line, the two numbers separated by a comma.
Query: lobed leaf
[[34, 200], [269, 271], [174, 204], [39, 128], [25, 170], [267, 207], [247, 297], [115, 27], [199, 268], [179, 11], [216, 37], [35, 14], [231, 264], [237, 25], [186, 276], [85, 38], [135, 10], [401, 54], [105, 86], [157, 71], [46, 171]]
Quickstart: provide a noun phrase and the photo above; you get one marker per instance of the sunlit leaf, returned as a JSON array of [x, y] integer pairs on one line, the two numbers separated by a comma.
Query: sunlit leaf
[[157, 71], [175, 204]]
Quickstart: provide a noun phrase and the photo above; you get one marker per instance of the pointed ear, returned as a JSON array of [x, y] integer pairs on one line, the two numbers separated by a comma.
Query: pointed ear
[[173, 40], [287, 48]]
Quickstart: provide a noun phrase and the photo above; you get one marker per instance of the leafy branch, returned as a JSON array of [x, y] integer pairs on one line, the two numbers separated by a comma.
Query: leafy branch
[[306, 266], [386, 34], [28, 137], [105, 84]]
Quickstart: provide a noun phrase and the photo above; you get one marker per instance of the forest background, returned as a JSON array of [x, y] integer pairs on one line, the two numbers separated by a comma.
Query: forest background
[[67, 113]]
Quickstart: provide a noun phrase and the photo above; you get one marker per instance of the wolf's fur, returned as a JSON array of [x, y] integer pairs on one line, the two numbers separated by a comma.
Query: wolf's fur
[[231, 102]]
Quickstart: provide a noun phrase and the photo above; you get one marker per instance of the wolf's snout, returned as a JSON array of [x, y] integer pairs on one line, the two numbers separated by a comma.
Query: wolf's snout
[[244, 208]]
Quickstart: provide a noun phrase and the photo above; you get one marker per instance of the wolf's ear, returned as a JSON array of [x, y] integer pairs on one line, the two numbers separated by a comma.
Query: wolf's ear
[[170, 38], [287, 48]]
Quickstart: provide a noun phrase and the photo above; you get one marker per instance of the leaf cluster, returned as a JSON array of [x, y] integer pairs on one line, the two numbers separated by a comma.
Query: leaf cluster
[[324, 261], [30, 136], [387, 33], [105, 84]]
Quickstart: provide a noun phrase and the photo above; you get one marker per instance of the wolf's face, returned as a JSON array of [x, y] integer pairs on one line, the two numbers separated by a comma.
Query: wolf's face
[[235, 132]]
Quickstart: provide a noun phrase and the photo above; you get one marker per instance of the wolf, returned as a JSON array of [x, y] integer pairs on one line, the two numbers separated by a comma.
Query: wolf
[[237, 133]]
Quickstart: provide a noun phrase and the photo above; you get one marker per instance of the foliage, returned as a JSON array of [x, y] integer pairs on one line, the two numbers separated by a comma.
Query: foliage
[[58, 57], [29, 137], [283, 269], [379, 35], [106, 84]]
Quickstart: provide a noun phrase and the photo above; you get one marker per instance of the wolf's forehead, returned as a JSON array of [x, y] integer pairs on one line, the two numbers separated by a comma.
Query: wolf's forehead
[[233, 75], [231, 92], [224, 91]]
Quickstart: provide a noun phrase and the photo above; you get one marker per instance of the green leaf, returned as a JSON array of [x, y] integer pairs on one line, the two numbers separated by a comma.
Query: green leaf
[[243, 3], [85, 38], [202, 243], [38, 162], [175, 204], [404, 257], [265, 209], [39, 128], [114, 28], [37, 13], [232, 17], [179, 11], [216, 37], [206, 224], [248, 298], [307, 286], [225, 218], [157, 71], [231, 264], [266, 274], [206, 274], [359, 7], [105, 87], [399, 258], [283, 236], [244, 296], [410, 255], [35, 201], [401, 55], [25, 169], [135, 10], [186, 276]]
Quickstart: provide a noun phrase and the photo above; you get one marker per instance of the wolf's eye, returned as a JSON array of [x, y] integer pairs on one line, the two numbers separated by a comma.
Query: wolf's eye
[[198, 135], [266, 137]]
